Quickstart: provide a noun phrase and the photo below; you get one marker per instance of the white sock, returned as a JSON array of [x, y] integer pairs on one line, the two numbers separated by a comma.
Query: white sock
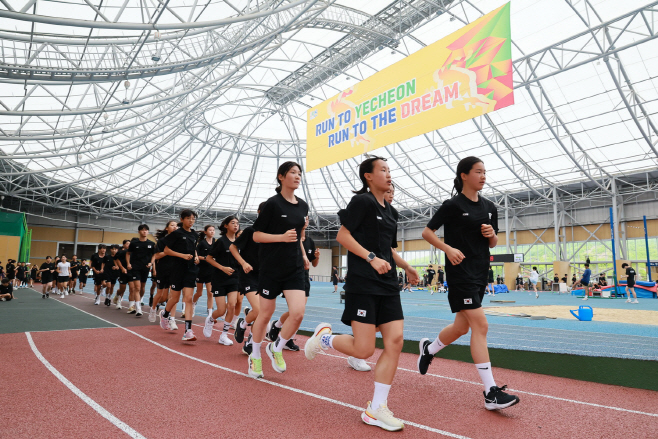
[[139, 306], [226, 327], [255, 350], [132, 303], [327, 341], [235, 319], [278, 324], [380, 396], [486, 375], [435, 346], [278, 347], [243, 324]]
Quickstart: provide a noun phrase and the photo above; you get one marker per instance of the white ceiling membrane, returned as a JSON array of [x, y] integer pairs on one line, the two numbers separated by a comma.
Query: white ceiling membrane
[[133, 109]]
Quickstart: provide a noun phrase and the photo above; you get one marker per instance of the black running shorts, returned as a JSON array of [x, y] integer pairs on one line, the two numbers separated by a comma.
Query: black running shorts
[[46, 278], [112, 279], [183, 276], [467, 296], [62, 279], [204, 277], [220, 290], [270, 285], [124, 278], [372, 309], [74, 276], [248, 284], [307, 285], [163, 279], [99, 279], [139, 274], [631, 284], [83, 279]]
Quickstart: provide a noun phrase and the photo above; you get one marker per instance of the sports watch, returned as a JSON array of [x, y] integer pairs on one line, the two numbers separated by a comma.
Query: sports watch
[[371, 256]]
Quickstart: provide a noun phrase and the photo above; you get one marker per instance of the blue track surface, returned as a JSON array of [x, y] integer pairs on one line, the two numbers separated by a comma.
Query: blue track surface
[[426, 315]]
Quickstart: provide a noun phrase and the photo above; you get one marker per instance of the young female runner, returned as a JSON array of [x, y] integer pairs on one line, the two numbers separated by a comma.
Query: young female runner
[[245, 252], [181, 244], [162, 271], [224, 279], [282, 263], [206, 241], [313, 255], [372, 300], [470, 225]]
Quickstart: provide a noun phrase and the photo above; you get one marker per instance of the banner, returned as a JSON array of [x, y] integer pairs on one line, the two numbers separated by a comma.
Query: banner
[[462, 76]]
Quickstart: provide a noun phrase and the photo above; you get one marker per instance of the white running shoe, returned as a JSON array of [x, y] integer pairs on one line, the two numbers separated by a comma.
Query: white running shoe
[[585, 298], [358, 364], [628, 300], [172, 323], [313, 345], [635, 301], [152, 316], [382, 417], [223, 339], [164, 322], [207, 328], [119, 305], [98, 300]]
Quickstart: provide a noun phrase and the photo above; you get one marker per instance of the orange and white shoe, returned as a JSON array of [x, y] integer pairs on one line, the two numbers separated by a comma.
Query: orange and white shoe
[[313, 345], [382, 417]]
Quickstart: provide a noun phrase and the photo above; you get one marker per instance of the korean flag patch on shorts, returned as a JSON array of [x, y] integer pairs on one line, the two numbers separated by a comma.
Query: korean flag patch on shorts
[[468, 301], [361, 312]]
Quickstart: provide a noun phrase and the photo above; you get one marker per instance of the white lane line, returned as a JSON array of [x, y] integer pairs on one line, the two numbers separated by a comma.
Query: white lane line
[[556, 398], [272, 383], [80, 394]]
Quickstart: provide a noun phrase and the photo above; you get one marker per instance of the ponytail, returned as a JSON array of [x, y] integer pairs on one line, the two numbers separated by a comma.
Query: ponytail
[[464, 167], [283, 171], [366, 167], [161, 233], [202, 234]]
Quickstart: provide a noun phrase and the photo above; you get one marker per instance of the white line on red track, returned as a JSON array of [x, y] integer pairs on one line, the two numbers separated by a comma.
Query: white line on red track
[[80, 394], [556, 398]]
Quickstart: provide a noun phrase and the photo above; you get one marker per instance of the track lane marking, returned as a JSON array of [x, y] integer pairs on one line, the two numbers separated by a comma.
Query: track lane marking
[[83, 396], [556, 398]]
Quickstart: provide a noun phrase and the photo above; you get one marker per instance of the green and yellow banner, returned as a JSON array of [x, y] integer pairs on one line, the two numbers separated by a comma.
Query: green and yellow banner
[[462, 76]]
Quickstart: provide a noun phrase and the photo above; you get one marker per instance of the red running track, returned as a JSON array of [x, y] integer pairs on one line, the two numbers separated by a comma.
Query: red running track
[[158, 392]]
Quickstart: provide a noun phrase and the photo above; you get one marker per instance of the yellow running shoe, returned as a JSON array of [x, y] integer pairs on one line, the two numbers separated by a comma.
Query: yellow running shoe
[[255, 367], [278, 362], [382, 417]]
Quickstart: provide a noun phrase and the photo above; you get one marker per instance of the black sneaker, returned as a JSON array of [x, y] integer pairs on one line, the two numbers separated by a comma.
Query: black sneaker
[[273, 333], [424, 358], [43, 296], [47, 295], [497, 399], [246, 347], [107, 302], [151, 302], [247, 310], [291, 346], [239, 331]]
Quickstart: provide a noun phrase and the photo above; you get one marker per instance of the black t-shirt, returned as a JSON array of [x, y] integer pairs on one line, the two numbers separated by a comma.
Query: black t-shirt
[[165, 262], [203, 249], [141, 253], [334, 275], [490, 274], [11, 270], [374, 227], [602, 280], [556, 279], [110, 266], [75, 266], [573, 278], [21, 271], [49, 269], [96, 261], [440, 275], [631, 275], [121, 257], [181, 241], [309, 249], [34, 272], [462, 220], [6, 289], [248, 250], [84, 270], [221, 253], [275, 218], [430, 273]]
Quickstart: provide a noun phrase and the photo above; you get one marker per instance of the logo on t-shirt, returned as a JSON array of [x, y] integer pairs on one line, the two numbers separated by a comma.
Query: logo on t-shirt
[[465, 214], [266, 292], [379, 217], [468, 301], [309, 251], [361, 312], [149, 246], [489, 215], [284, 216]]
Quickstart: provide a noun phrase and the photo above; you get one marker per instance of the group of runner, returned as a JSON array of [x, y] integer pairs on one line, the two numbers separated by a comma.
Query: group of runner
[[272, 258]]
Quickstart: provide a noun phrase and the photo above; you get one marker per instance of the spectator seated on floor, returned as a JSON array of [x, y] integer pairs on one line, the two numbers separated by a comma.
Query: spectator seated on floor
[[6, 290]]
